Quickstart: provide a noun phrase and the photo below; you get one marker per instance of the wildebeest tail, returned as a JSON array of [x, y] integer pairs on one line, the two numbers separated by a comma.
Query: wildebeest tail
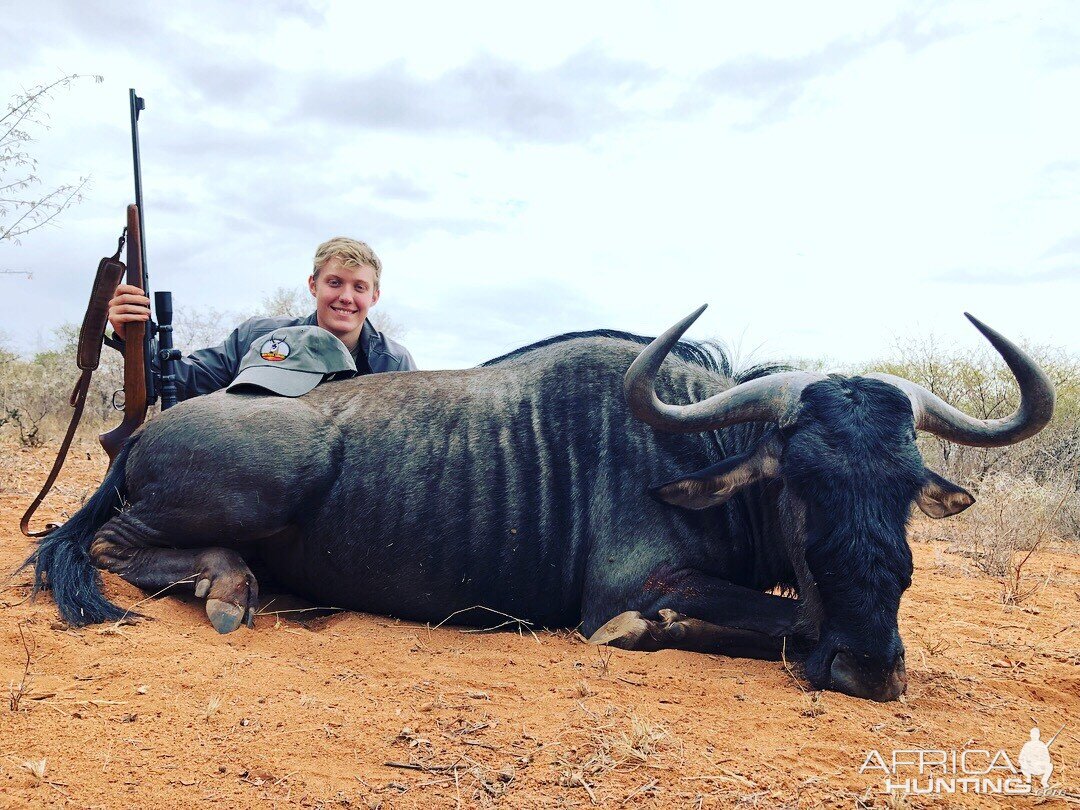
[[62, 559]]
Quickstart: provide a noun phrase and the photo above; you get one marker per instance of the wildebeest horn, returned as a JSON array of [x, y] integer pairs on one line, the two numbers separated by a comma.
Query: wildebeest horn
[[936, 416], [766, 399]]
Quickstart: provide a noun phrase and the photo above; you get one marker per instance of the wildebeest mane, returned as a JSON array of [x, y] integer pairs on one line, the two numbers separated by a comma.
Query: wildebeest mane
[[708, 354]]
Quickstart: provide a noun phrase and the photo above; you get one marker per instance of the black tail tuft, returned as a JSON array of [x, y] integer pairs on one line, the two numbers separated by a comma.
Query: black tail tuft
[[62, 559]]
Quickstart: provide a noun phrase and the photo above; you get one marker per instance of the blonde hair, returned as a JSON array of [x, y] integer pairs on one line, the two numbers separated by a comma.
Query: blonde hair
[[351, 252]]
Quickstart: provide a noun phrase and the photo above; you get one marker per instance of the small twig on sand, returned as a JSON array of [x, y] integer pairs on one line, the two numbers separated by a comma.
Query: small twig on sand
[[130, 608], [724, 776], [588, 788], [642, 789], [10, 585], [812, 698], [787, 666], [479, 744], [414, 766], [16, 692], [293, 610], [510, 620]]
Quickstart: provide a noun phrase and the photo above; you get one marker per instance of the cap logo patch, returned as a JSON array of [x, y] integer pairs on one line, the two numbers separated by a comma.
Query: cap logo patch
[[274, 350]]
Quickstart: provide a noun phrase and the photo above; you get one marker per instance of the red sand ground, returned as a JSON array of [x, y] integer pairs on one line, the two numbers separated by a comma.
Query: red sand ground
[[309, 713]]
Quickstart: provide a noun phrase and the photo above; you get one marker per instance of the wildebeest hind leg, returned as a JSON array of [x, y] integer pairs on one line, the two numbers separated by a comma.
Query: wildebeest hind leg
[[219, 574]]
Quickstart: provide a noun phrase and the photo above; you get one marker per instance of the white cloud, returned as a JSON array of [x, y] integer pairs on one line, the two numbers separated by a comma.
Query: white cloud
[[824, 182]]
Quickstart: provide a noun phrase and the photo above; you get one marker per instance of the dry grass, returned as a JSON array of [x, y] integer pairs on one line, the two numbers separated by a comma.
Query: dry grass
[[1014, 514], [211, 708], [935, 644], [1015, 518], [815, 706], [615, 741], [476, 783]]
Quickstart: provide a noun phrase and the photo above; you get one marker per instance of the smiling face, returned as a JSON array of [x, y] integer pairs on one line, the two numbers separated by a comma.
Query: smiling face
[[343, 296]]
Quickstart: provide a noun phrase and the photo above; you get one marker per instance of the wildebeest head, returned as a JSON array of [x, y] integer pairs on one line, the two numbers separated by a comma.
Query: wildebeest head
[[844, 457]]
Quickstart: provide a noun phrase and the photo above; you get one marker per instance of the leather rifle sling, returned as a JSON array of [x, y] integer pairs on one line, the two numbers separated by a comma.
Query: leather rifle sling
[[110, 271]]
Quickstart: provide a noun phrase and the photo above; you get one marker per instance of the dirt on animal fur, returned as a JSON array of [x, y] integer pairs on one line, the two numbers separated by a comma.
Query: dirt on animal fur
[[348, 710]]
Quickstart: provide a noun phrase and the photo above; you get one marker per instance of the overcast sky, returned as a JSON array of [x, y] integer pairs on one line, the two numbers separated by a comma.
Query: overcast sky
[[825, 175]]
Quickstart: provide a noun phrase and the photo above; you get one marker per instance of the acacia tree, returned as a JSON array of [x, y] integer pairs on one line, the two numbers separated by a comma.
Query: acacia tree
[[23, 208]]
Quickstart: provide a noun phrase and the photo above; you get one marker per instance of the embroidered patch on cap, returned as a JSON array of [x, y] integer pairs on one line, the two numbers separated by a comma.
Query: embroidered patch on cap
[[274, 349]]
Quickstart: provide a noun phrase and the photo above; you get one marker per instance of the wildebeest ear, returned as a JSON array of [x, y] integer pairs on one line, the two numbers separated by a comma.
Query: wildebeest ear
[[714, 485], [940, 497]]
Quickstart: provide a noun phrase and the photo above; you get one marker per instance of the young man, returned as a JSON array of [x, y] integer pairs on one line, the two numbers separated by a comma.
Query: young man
[[345, 284]]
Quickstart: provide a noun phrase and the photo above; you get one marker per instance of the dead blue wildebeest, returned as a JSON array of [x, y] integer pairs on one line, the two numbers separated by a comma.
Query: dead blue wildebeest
[[524, 486]]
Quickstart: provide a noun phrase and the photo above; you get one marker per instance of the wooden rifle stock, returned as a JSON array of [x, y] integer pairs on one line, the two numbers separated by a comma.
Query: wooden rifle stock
[[135, 365]]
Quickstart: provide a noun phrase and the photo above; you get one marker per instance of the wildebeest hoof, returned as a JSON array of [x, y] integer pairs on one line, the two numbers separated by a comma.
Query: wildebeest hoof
[[232, 594], [629, 631], [628, 626], [224, 616]]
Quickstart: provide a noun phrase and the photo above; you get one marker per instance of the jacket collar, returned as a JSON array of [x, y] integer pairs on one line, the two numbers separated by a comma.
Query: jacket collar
[[369, 336]]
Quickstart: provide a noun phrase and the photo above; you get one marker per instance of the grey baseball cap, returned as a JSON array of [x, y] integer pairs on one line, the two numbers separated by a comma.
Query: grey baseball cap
[[292, 360]]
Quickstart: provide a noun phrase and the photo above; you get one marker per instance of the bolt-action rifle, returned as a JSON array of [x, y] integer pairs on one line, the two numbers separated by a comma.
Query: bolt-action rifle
[[142, 344], [142, 379]]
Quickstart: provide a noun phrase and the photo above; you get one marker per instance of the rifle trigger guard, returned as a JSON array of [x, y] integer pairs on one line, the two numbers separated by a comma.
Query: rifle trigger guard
[[120, 392]]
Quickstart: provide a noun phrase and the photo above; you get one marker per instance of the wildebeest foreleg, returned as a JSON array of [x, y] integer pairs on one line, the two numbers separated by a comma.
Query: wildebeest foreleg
[[725, 618], [631, 631], [219, 574], [715, 600]]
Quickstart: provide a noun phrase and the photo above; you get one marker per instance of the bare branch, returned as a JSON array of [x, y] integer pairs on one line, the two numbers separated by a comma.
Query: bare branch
[[54, 210], [29, 101], [22, 111]]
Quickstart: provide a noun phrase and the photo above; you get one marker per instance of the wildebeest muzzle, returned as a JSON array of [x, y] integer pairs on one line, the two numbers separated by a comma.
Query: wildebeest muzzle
[[873, 675]]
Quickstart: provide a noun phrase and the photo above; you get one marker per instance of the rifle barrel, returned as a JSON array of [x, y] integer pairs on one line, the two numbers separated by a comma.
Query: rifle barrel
[[137, 104]]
